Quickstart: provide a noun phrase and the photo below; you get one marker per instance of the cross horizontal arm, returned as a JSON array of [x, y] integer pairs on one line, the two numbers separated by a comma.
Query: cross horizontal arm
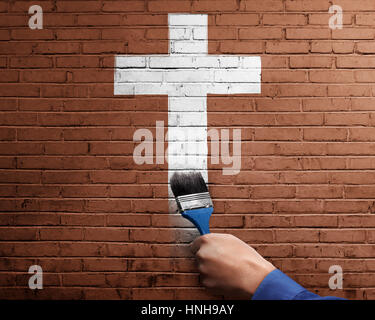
[[187, 75]]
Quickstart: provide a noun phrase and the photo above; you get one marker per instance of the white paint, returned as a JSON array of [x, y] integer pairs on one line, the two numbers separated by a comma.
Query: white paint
[[187, 74]]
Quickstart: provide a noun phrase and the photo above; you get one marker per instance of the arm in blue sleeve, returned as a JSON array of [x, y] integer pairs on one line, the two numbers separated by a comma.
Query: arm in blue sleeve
[[278, 286]]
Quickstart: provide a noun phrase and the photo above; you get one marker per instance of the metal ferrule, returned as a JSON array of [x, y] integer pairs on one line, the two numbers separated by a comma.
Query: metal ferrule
[[194, 201]]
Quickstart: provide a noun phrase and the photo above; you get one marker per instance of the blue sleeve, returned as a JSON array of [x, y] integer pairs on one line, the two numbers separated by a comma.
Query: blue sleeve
[[278, 286]]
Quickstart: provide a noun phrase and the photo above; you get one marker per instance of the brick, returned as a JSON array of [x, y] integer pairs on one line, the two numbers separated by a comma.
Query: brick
[[287, 47], [274, 62], [43, 76], [144, 19], [321, 47], [361, 134], [364, 20], [248, 206], [86, 191], [128, 6], [311, 62], [104, 47], [278, 134], [321, 250], [7, 134], [168, 6], [284, 19], [280, 105], [361, 5], [131, 191], [38, 191], [98, 20], [331, 76], [364, 76], [260, 33], [4, 35], [305, 5], [323, 134], [126, 34], [284, 76], [343, 47], [322, 221], [27, 34], [61, 234], [78, 62], [352, 90], [92, 75], [13, 20], [238, 47], [82, 219], [321, 192], [354, 62], [241, 19], [219, 5], [360, 163], [304, 33], [104, 176], [347, 206], [19, 90], [22, 6], [3, 7], [268, 192], [106, 234], [31, 62], [338, 119], [353, 33], [3, 62], [14, 234], [300, 118], [344, 236], [54, 19], [69, 34], [65, 177], [267, 5], [359, 192], [301, 235], [104, 264], [57, 47], [78, 6], [219, 33], [137, 220]]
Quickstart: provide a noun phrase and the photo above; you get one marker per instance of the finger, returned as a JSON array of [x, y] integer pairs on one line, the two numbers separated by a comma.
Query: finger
[[196, 244]]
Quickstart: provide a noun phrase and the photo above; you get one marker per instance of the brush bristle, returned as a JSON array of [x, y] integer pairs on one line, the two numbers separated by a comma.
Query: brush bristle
[[187, 183]]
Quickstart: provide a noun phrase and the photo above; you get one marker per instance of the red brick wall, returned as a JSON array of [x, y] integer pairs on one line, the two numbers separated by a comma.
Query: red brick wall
[[74, 202]]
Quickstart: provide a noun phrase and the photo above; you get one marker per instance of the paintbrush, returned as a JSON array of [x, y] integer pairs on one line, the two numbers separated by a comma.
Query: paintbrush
[[193, 199]]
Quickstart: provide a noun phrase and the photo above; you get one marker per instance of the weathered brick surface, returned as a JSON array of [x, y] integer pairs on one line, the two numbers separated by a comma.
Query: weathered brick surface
[[73, 201]]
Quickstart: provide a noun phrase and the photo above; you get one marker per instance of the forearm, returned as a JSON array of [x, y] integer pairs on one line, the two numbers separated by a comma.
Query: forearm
[[278, 286]]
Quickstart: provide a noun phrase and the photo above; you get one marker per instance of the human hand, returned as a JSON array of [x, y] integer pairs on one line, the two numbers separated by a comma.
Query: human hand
[[229, 266]]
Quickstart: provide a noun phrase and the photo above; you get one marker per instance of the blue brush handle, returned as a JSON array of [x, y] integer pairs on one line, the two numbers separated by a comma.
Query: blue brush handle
[[200, 218]]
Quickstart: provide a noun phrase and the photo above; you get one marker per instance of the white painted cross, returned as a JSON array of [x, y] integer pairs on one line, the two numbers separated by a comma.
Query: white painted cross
[[187, 75]]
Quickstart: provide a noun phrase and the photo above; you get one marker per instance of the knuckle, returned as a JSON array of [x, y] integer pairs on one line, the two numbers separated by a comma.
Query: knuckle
[[205, 282], [208, 283], [199, 255], [205, 238], [202, 269]]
